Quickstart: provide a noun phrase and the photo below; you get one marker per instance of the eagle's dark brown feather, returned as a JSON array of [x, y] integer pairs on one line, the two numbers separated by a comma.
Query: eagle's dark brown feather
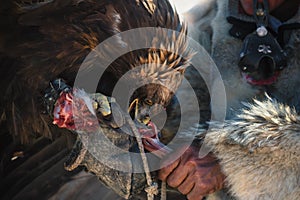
[[52, 39]]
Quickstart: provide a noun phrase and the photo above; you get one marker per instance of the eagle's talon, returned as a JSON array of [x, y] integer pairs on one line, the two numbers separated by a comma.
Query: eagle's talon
[[101, 104]]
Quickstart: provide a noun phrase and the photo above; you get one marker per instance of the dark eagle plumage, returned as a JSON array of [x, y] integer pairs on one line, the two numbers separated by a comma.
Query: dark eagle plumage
[[41, 41], [46, 40]]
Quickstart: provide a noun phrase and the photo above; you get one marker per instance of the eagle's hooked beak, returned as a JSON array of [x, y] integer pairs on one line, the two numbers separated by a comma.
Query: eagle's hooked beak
[[147, 129], [134, 109]]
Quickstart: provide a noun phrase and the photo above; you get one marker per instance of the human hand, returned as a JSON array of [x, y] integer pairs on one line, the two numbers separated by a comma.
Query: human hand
[[193, 176]]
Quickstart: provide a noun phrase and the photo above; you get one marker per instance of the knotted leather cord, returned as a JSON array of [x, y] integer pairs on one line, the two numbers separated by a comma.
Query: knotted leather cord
[[152, 188], [163, 191]]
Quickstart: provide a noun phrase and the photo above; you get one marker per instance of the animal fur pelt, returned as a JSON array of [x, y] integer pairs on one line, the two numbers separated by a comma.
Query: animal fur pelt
[[259, 151]]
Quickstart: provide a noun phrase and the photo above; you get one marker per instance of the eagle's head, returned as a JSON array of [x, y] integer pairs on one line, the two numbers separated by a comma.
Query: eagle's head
[[157, 78]]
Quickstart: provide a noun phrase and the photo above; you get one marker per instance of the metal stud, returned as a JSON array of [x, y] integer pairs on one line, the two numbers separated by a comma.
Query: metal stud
[[261, 31]]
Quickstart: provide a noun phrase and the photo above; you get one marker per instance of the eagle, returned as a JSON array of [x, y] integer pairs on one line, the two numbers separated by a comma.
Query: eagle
[[45, 41]]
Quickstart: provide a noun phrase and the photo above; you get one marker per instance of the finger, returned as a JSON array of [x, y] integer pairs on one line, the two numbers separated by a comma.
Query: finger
[[187, 185], [201, 188], [194, 196], [179, 174], [166, 171]]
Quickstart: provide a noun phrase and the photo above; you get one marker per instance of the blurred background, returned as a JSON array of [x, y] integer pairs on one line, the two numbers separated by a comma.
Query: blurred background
[[183, 6]]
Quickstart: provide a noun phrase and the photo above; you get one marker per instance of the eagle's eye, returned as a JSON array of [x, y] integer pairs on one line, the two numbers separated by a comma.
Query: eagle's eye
[[148, 102]]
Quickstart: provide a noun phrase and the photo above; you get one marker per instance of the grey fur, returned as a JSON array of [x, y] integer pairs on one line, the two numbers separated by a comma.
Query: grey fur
[[260, 151]]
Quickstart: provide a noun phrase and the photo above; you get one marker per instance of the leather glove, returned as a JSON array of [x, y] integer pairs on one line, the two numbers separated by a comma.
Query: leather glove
[[193, 176]]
